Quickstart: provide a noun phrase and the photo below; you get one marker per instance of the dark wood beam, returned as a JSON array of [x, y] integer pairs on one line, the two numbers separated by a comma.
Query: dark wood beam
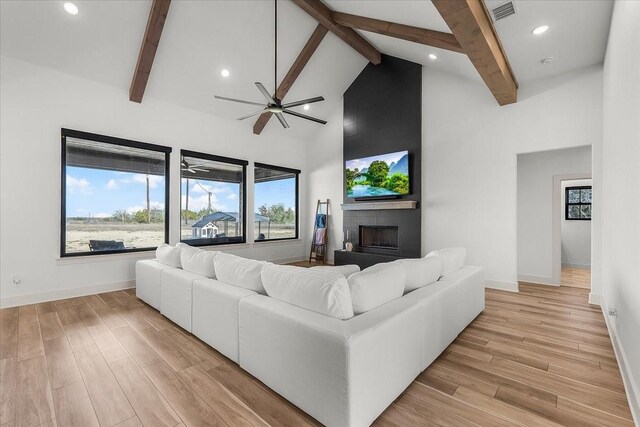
[[471, 24], [155, 24], [405, 32], [321, 13], [298, 65]]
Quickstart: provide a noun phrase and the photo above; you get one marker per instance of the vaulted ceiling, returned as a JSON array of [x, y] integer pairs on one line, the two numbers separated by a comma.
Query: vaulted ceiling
[[200, 38]]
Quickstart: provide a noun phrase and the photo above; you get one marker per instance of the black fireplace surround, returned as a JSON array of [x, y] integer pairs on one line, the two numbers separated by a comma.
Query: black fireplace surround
[[383, 114]]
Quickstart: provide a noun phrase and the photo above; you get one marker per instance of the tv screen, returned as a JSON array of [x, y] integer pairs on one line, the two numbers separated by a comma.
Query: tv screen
[[378, 176]]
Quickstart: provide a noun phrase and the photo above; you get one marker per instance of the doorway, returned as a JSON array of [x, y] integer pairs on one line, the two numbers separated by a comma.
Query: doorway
[[575, 233]]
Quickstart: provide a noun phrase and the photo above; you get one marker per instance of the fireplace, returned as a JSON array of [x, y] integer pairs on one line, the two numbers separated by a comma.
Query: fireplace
[[379, 236]]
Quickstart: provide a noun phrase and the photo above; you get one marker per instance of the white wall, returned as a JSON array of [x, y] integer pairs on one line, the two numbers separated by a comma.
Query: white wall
[[620, 180], [537, 212], [575, 235], [326, 168], [35, 103], [469, 158]]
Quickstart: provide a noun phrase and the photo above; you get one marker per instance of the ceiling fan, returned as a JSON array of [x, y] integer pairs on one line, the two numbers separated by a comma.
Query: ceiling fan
[[275, 105], [186, 166]]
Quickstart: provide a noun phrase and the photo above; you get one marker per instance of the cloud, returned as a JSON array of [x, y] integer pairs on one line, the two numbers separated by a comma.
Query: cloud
[[202, 202], [112, 184], [232, 196], [154, 180], [153, 204], [102, 215], [78, 185], [212, 188]]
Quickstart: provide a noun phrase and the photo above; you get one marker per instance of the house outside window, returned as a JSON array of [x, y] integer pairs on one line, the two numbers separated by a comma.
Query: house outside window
[[578, 203], [213, 199], [114, 193], [276, 202]]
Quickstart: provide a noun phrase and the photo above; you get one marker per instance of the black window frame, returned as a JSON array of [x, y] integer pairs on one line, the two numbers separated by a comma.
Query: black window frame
[[70, 133], [297, 173], [222, 159], [567, 204]]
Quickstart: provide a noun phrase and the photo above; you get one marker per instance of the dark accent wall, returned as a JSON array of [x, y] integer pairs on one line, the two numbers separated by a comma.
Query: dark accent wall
[[383, 114]]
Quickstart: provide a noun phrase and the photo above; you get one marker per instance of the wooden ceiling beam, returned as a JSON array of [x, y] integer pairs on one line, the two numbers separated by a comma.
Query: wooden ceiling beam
[[405, 32], [471, 24], [289, 79], [150, 41], [321, 13]]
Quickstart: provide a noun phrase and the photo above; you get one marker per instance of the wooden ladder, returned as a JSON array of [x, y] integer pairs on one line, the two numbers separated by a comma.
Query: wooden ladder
[[320, 232]]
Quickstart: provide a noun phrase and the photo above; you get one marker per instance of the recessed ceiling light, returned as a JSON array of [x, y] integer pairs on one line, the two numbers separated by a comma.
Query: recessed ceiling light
[[540, 30], [71, 8], [224, 73], [306, 106], [432, 57]]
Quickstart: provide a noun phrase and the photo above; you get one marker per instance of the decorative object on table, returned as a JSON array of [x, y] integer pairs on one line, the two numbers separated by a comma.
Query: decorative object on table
[[348, 246], [346, 241], [320, 236]]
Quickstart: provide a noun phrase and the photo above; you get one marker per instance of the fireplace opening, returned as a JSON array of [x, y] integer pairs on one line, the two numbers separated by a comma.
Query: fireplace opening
[[379, 236]]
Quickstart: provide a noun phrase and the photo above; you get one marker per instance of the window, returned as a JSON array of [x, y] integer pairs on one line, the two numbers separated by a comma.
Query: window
[[578, 203], [114, 194], [276, 199], [213, 199]]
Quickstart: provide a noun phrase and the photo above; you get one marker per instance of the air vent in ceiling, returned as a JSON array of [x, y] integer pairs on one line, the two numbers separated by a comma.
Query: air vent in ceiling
[[503, 11]]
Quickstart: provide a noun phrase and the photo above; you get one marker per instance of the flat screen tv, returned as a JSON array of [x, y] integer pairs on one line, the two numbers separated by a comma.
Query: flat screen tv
[[385, 175]]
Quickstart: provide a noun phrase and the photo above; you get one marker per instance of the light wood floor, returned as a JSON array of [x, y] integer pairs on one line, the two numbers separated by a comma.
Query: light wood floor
[[539, 357], [576, 278]]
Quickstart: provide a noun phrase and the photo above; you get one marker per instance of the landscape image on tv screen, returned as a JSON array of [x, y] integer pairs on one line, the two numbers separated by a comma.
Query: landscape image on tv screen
[[378, 176]]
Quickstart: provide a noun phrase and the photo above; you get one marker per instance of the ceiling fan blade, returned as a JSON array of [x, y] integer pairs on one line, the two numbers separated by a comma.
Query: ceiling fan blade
[[283, 122], [224, 98], [257, 113], [304, 116], [304, 101], [265, 92]]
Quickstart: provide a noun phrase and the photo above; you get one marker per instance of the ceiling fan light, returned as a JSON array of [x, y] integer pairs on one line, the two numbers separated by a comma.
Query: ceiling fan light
[[306, 106], [71, 8], [225, 72]]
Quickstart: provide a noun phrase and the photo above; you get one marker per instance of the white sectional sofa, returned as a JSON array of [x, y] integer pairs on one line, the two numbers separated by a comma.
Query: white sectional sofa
[[295, 329]]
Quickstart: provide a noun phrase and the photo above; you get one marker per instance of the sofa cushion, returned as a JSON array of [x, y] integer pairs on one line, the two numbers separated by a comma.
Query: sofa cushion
[[452, 259], [376, 285], [345, 270], [420, 271], [318, 290], [239, 271], [170, 255], [197, 261]]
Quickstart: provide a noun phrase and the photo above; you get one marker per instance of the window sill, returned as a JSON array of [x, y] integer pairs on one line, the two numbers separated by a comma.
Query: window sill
[[263, 243], [87, 259]]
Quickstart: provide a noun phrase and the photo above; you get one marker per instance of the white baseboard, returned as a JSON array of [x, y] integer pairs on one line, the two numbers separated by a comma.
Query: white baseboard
[[578, 266], [595, 299], [630, 385], [541, 280], [502, 286], [64, 293]]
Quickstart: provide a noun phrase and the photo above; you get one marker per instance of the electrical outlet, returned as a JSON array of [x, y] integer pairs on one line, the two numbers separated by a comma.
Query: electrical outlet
[[17, 280], [613, 312]]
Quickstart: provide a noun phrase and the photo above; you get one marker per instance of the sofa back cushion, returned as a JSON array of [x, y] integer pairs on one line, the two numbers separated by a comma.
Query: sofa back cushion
[[318, 290], [376, 285], [238, 271], [420, 271], [197, 261], [345, 270], [170, 255], [452, 259]]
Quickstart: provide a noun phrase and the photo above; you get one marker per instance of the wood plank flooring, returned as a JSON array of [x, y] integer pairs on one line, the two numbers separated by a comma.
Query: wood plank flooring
[[540, 357], [575, 277]]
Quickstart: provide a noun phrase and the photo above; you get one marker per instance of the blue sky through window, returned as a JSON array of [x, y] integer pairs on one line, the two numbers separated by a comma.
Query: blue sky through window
[[99, 193]]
